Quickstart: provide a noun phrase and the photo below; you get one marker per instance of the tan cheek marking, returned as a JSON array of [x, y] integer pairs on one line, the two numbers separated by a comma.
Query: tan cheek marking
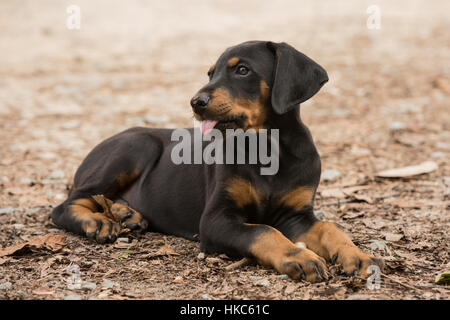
[[221, 96], [264, 88], [256, 113], [233, 61], [242, 192], [298, 197], [255, 110]]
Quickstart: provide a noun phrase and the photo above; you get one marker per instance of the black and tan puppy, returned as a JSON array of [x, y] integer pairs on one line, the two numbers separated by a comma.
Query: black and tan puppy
[[231, 207]]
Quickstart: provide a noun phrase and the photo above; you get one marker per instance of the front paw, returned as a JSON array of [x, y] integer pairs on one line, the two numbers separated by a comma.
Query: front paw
[[299, 263], [102, 229], [128, 217], [355, 262]]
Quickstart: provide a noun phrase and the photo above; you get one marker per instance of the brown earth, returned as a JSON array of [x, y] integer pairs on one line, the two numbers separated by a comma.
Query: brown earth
[[138, 63]]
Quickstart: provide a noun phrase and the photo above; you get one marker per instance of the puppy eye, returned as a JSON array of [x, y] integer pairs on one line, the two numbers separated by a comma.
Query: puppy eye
[[242, 70], [209, 74]]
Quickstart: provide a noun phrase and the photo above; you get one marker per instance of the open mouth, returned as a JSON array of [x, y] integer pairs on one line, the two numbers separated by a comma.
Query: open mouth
[[233, 122]]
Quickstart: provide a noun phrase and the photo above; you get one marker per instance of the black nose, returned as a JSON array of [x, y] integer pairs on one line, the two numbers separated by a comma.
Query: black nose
[[200, 102]]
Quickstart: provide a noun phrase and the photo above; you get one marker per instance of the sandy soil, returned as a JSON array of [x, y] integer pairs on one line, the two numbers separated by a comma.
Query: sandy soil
[[139, 62]]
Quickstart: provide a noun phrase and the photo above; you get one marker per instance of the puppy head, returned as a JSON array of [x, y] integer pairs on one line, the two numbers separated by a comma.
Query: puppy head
[[251, 81]]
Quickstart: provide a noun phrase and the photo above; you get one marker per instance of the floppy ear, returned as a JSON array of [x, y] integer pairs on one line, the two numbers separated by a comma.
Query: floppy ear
[[296, 77]]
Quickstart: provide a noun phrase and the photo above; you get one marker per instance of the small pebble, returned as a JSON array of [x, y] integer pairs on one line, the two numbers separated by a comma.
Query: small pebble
[[72, 124], [103, 295], [358, 297], [109, 284], [32, 211], [88, 263], [56, 174], [377, 245], [201, 256], [27, 181], [79, 250], [124, 240], [300, 245], [437, 154], [330, 175], [283, 277], [155, 119], [6, 286], [408, 108], [320, 214], [340, 112], [263, 283], [396, 125], [88, 286], [443, 145], [6, 210], [206, 296]]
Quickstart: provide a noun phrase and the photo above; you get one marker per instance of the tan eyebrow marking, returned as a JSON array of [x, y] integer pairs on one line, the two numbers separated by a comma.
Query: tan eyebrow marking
[[233, 61], [211, 69]]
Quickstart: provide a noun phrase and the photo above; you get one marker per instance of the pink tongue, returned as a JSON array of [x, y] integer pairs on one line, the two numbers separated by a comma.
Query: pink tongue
[[207, 126]]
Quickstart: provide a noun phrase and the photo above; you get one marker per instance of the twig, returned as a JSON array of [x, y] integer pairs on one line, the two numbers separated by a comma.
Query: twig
[[333, 203], [241, 263], [401, 283]]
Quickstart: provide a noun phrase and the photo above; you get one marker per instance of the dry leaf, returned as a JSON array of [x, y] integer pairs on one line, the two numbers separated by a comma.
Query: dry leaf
[[392, 236], [373, 224], [411, 139], [415, 203], [164, 250], [443, 278], [362, 197], [341, 193], [442, 83], [333, 193], [425, 167], [52, 242], [290, 288]]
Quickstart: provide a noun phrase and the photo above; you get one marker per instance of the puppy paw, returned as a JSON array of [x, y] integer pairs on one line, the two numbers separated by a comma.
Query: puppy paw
[[355, 262], [300, 263], [128, 217]]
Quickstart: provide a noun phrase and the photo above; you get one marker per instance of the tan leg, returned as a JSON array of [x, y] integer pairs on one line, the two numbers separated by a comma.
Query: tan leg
[[94, 224], [271, 248], [328, 241]]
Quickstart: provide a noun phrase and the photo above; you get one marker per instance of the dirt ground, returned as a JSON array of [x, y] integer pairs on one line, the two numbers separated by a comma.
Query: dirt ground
[[139, 62]]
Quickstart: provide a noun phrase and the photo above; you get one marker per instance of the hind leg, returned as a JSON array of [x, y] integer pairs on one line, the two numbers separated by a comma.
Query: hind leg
[[109, 170], [82, 216]]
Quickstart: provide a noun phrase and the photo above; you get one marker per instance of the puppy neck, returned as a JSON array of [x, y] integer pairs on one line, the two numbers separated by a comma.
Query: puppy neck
[[294, 135]]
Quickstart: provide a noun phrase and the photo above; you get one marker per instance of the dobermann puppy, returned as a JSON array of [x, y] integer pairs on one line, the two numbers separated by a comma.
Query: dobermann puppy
[[229, 208]]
